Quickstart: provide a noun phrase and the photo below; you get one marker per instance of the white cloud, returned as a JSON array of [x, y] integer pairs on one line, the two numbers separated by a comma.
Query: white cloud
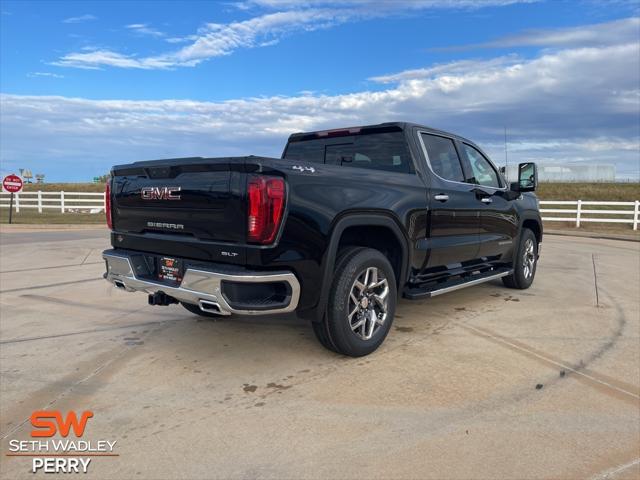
[[44, 74], [599, 34], [448, 69], [80, 19], [145, 29], [96, 59], [577, 104], [179, 39], [379, 4], [215, 39]]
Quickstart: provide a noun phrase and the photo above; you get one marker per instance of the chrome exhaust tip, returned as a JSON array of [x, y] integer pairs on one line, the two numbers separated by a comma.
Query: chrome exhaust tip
[[210, 307]]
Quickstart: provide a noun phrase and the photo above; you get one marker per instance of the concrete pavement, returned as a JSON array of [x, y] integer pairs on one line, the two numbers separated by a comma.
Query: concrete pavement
[[481, 383]]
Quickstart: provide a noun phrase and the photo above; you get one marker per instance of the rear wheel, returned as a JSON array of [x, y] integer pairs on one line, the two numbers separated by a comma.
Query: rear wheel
[[524, 268], [196, 310], [362, 303]]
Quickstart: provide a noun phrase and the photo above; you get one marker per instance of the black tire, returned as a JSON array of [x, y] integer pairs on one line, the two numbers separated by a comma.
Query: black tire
[[364, 332], [195, 309], [524, 268], [321, 329], [322, 334]]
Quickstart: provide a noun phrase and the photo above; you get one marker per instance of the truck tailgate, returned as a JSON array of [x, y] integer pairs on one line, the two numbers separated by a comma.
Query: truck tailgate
[[198, 198]]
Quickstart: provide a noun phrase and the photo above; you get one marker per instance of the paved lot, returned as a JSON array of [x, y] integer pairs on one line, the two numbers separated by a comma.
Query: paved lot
[[482, 383]]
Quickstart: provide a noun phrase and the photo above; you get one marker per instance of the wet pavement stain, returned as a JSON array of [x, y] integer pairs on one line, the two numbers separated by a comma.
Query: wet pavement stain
[[277, 386], [404, 329], [249, 388]]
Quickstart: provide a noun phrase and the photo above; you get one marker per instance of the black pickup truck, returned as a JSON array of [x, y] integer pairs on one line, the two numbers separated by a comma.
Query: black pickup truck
[[339, 228]]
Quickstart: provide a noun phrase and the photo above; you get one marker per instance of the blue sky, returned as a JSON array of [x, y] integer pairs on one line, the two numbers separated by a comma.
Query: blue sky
[[89, 84]]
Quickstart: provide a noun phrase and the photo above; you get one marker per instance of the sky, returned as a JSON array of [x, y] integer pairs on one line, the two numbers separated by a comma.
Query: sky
[[85, 85]]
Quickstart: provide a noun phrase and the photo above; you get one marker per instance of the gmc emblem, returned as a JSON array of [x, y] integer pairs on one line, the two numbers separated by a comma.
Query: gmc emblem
[[160, 193]]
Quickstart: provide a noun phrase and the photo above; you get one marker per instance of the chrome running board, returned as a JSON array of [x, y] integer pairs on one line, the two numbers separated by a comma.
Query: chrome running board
[[452, 286]]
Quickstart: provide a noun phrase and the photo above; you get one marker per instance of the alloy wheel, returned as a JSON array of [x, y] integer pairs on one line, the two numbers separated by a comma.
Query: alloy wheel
[[529, 259], [368, 302]]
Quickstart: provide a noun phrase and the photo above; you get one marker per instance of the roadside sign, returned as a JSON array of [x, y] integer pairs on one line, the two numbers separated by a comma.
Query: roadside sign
[[12, 183]]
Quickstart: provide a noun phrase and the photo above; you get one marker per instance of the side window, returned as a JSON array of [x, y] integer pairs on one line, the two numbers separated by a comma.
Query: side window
[[443, 157], [483, 172]]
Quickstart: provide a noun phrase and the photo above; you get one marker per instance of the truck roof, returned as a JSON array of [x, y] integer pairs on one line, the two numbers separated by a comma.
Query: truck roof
[[384, 127]]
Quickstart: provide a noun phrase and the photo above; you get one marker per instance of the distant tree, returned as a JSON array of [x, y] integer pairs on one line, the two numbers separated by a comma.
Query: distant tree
[[101, 179]]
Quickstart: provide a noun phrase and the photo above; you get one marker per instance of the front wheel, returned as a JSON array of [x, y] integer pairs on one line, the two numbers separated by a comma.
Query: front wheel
[[362, 303], [524, 268]]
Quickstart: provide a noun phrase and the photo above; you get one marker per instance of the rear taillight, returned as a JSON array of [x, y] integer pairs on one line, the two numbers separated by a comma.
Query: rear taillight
[[266, 208], [107, 204]]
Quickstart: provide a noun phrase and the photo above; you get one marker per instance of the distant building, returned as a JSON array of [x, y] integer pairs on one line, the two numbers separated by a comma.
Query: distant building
[[571, 172], [27, 175]]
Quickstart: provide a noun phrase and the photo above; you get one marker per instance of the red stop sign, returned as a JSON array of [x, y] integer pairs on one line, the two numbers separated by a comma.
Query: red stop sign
[[12, 183]]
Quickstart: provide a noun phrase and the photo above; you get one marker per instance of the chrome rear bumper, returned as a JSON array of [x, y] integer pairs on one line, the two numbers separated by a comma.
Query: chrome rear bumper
[[200, 287]]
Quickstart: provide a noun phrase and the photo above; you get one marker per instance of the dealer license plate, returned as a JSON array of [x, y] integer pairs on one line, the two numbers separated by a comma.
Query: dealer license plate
[[170, 269]]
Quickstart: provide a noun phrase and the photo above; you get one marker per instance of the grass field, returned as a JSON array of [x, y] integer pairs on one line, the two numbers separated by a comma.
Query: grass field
[[613, 192], [623, 192], [67, 187], [31, 216]]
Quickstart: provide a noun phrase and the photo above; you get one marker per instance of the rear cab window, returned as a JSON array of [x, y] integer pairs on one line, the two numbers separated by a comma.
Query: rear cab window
[[379, 149]]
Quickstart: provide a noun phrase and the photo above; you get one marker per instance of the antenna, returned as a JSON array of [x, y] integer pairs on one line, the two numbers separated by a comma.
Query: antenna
[[506, 156]]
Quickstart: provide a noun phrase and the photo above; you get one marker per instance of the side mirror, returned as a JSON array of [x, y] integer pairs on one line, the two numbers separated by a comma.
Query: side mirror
[[527, 178]]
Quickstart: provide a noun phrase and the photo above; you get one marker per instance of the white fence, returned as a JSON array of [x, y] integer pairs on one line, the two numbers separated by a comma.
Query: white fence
[[580, 211], [65, 202], [577, 211]]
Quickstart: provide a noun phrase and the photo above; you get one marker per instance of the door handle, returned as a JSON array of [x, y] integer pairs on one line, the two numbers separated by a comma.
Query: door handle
[[486, 200], [441, 197]]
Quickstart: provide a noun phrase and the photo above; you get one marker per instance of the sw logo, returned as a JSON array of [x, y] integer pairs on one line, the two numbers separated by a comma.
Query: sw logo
[[45, 426], [60, 455]]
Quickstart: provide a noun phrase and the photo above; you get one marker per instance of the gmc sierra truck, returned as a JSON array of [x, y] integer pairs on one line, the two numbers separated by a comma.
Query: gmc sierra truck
[[337, 230]]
